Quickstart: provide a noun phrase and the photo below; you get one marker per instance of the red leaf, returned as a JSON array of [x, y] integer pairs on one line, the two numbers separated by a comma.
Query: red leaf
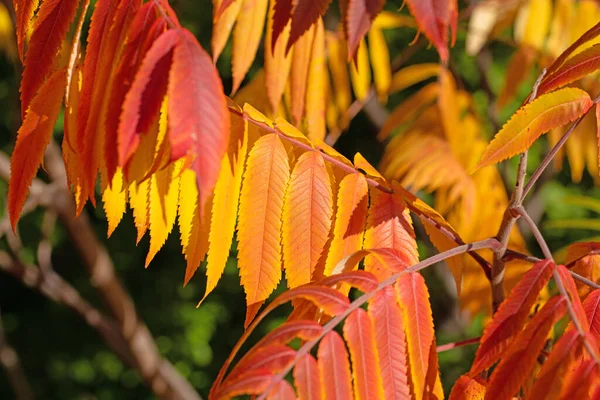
[[575, 68], [388, 325], [305, 330], [304, 15], [552, 375], [51, 27], [467, 388], [24, 10], [329, 300], [362, 280], [413, 297], [281, 15], [357, 18], [32, 139], [571, 289], [511, 316], [307, 379], [334, 367], [282, 390], [591, 307], [589, 35], [520, 358], [433, 18], [146, 94], [273, 358], [198, 114], [142, 33], [254, 382]]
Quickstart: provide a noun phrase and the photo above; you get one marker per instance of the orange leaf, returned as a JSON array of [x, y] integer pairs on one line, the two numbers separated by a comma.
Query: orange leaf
[[390, 341], [362, 280], [315, 87], [357, 16], [329, 300], [307, 213], [222, 26], [198, 115], [299, 74], [519, 360], [413, 297], [307, 379], [511, 316], [50, 29], [139, 200], [334, 367], [467, 388], [350, 220], [246, 38], [576, 67], [282, 390], [24, 10], [225, 202], [254, 382], [259, 251], [358, 332], [389, 226], [551, 378], [277, 61], [33, 137], [272, 357], [546, 112], [576, 306], [518, 69], [582, 382], [591, 306]]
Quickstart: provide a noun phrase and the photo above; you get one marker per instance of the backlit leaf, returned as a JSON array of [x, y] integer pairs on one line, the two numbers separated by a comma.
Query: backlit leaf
[[307, 213], [357, 16], [546, 112], [430, 19], [299, 74], [360, 72], [277, 61], [307, 378], [222, 27], [380, 60], [358, 332], [511, 316], [114, 199], [412, 75], [315, 87], [591, 306], [388, 324], [32, 139], [467, 388], [24, 10], [334, 367], [259, 251], [304, 14], [580, 65]]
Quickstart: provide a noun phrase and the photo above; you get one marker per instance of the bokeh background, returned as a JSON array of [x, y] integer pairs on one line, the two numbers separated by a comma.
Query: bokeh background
[[63, 358]]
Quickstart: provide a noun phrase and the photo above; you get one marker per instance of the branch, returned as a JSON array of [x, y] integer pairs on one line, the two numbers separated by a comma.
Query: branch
[[509, 219], [158, 374], [520, 210], [9, 360], [460, 343]]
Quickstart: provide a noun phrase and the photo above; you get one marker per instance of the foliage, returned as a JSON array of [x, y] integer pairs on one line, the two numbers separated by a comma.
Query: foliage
[[145, 110]]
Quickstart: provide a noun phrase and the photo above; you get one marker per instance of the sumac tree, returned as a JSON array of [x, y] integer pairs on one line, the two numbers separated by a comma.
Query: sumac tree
[[146, 115]]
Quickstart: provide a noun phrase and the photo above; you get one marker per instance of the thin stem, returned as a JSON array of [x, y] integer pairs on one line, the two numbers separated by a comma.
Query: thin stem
[[584, 280], [536, 232], [550, 156], [460, 343], [306, 348]]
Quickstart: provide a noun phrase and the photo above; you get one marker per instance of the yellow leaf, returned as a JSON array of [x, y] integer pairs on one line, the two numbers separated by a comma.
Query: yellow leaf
[[139, 200], [115, 201], [388, 20], [548, 111], [533, 23], [482, 21], [187, 203], [277, 62], [316, 89], [259, 227], [254, 92], [449, 110], [360, 73], [336, 57], [225, 203], [290, 131], [246, 38], [361, 163], [222, 26], [164, 190], [380, 60], [412, 75]]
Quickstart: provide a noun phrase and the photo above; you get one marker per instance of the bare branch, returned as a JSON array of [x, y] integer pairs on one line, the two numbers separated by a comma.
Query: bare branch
[[460, 343], [9, 360]]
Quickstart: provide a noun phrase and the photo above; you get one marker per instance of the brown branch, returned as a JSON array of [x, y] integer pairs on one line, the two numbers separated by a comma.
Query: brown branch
[[535, 230], [460, 343], [9, 360], [155, 371]]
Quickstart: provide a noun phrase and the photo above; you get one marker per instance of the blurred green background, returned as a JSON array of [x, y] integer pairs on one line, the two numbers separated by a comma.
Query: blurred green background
[[64, 358]]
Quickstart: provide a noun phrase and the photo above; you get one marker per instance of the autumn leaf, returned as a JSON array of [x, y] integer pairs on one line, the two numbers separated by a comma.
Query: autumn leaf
[[307, 378], [334, 367], [547, 112], [357, 16], [467, 388], [32, 139], [305, 13], [576, 67], [24, 10], [434, 19], [259, 252]]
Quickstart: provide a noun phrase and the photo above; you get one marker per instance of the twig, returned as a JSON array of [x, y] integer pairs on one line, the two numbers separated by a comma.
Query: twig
[[460, 343], [9, 360], [536, 232], [508, 221]]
